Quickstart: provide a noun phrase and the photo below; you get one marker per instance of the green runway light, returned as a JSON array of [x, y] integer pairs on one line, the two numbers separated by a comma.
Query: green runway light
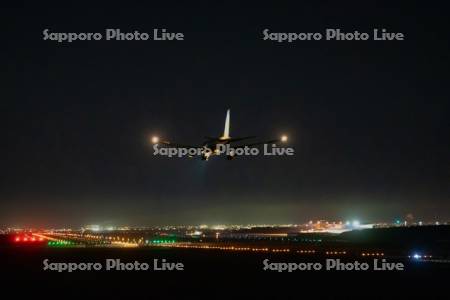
[[165, 241], [60, 243]]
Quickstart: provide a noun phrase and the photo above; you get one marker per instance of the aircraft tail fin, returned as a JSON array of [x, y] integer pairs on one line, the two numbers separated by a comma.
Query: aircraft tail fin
[[226, 132]]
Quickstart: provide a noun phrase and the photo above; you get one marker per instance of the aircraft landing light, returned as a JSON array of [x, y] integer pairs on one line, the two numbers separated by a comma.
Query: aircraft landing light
[[155, 140]]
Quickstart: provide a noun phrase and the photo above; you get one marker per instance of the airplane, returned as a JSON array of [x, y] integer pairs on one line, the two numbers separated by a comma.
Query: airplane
[[210, 147]]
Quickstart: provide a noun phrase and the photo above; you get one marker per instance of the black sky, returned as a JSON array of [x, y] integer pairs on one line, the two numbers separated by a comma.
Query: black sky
[[369, 120]]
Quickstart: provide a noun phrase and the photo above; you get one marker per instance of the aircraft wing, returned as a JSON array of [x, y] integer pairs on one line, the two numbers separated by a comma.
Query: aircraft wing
[[230, 140], [257, 144], [175, 145]]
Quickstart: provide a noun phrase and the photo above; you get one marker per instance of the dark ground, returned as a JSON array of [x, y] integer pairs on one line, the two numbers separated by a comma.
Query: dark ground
[[209, 273]]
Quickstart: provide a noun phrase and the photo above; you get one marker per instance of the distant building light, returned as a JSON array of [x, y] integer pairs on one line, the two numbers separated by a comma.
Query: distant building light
[[93, 227]]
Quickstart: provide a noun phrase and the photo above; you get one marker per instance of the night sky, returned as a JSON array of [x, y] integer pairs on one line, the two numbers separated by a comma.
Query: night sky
[[369, 120]]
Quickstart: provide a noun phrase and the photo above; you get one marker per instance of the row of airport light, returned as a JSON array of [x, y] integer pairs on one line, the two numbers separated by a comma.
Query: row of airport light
[[335, 252], [171, 243], [233, 248], [58, 240], [281, 250], [60, 243], [28, 239], [372, 254], [306, 251], [227, 248], [164, 241]]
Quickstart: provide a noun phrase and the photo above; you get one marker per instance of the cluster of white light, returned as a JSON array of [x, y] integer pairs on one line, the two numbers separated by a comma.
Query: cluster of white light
[[418, 256]]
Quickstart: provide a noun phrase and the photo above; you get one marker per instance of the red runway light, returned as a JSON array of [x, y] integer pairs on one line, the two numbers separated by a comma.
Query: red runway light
[[25, 239], [17, 239], [33, 239]]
